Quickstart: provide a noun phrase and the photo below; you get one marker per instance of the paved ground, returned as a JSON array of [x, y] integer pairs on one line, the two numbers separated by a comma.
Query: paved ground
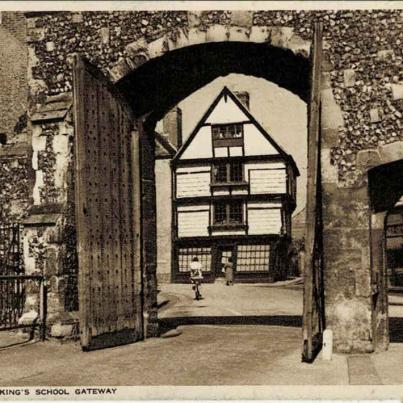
[[282, 299], [228, 338]]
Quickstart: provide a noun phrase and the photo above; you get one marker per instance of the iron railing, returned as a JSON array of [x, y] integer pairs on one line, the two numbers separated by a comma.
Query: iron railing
[[15, 284], [12, 301]]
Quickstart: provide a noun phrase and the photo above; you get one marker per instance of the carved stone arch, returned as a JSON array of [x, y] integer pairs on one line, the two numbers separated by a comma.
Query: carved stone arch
[[140, 51], [179, 62]]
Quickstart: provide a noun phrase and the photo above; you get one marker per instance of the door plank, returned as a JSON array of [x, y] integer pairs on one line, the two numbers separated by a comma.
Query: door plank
[[109, 279]]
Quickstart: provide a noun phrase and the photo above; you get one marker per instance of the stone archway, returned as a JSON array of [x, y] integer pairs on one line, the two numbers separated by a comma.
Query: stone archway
[[139, 52], [192, 57], [175, 74], [280, 48]]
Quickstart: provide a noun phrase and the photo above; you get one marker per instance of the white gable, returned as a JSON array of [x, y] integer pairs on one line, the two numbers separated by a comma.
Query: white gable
[[255, 142], [226, 111], [200, 146]]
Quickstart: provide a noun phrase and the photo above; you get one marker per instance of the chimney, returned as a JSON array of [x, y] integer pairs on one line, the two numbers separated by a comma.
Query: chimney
[[243, 96], [172, 126]]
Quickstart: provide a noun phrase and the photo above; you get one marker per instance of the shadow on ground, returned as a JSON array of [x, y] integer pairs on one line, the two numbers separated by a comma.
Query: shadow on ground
[[167, 324], [396, 330], [11, 338]]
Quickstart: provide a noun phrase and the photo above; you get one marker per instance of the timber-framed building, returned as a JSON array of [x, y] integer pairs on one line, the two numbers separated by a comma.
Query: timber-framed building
[[234, 190]]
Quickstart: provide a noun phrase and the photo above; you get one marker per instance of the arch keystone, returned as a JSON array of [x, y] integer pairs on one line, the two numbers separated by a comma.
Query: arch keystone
[[217, 33], [260, 34], [239, 34]]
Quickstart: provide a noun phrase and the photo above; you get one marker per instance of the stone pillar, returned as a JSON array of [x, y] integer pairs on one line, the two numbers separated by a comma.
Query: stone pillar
[[49, 234], [149, 230], [348, 294], [347, 272]]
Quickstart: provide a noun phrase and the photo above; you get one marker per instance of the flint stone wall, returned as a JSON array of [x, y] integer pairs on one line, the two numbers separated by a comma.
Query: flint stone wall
[[15, 152], [362, 107], [49, 230]]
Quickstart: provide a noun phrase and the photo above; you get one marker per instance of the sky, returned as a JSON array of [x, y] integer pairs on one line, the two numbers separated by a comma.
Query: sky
[[281, 113]]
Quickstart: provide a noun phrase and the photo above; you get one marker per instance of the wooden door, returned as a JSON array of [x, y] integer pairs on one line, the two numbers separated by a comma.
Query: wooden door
[[107, 211], [313, 315]]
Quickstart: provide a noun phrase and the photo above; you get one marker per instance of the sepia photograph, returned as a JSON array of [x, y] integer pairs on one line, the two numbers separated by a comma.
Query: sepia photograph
[[199, 194]]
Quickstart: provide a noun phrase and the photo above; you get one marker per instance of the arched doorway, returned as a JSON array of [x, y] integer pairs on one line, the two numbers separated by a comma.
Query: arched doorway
[[385, 190], [124, 119], [255, 299]]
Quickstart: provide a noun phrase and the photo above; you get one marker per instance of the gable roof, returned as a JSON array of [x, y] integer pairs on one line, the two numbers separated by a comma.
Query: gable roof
[[225, 92]]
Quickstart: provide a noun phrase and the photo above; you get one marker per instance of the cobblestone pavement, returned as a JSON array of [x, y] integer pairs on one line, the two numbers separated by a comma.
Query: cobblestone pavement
[[233, 336]]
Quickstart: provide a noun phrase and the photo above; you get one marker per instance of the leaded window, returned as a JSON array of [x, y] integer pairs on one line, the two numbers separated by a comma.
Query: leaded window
[[253, 258], [228, 131], [185, 256], [228, 213], [228, 172]]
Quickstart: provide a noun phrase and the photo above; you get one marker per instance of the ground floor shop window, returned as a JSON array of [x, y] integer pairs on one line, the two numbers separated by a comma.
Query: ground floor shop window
[[186, 255], [253, 258]]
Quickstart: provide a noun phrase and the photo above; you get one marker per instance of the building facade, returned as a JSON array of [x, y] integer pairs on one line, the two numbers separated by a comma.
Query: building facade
[[234, 192]]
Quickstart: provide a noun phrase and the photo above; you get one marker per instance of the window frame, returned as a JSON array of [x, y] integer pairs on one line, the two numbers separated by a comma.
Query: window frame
[[228, 140], [229, 166], [255, 257], [185, 254], [227, 133], [228, 222]]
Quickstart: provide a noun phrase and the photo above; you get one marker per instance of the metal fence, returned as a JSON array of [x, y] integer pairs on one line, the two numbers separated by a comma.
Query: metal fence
[[12, 301], [11, 262], [14, 284]]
